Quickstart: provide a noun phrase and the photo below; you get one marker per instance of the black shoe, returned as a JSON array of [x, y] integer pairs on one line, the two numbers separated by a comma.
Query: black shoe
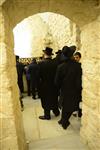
[[44, 117], [65, 125], [57, 114], [80, 115], [75, 115], [33, 97], [60, 122]]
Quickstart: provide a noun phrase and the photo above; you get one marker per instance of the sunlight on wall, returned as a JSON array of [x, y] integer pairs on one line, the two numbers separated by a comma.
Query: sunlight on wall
[[36, 32], [23, 42], [29, 37]]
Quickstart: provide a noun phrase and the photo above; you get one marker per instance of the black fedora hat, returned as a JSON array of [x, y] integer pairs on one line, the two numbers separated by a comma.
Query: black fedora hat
[[67, 51], [48, 51], [17, 57], [73, 47]]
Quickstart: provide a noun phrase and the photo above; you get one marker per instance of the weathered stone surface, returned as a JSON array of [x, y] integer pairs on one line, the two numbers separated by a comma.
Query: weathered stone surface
[[90, 130], [8, 144], [82, 12], [1, 2], [41, 30], [11, 133]]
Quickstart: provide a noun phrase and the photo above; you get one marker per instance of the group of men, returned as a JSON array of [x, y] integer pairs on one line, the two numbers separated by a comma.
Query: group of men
[[61, 78], [31, 73]]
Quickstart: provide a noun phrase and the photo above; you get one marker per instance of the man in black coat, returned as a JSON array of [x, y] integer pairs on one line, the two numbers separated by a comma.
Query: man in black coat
[[57, 59], [48, 90], [33, 70], [77, 57], [68, 81], [20, 71]]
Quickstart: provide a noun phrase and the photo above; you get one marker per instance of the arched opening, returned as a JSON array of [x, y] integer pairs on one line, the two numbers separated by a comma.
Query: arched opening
[[86, 15], [36, 32]]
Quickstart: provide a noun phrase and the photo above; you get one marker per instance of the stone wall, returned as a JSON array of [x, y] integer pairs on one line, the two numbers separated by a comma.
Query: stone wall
[[90, 130], [79, 11], [36, 32], [11, 133]]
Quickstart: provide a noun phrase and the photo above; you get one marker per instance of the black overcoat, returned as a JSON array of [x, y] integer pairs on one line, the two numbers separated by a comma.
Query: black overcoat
[[33, 69], [48, 90], [69, 82], [20, 71]]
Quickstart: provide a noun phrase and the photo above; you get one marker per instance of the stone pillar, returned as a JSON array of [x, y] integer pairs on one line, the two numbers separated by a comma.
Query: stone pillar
[[75, 35], [90, 130], [11, 134]]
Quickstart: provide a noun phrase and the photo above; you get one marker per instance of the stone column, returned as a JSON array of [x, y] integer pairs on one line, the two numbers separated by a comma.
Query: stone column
[[11, 134], [90, 130], [75, 35]]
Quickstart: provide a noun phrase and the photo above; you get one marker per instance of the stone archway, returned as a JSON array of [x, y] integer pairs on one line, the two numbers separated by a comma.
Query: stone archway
[[86, 15], [36, 32]]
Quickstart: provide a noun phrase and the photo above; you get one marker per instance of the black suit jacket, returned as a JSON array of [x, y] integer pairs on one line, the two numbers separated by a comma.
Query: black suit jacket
[[48, 90], [69, 81]]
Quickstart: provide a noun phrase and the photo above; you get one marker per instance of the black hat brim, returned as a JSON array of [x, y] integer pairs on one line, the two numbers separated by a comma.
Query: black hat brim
[[47, 52]]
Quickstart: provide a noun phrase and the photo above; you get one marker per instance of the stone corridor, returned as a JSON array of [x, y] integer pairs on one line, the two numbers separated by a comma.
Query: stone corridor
[[48, 135]]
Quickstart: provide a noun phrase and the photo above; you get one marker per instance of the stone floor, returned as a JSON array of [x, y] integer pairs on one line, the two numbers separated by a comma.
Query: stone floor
[[48, 134]]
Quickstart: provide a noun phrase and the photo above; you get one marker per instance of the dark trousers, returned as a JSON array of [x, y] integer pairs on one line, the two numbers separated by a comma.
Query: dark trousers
[[21, 85], [33, 92], [47, 112], [21, 103], [56, 111], [28, 88], [65, 116]]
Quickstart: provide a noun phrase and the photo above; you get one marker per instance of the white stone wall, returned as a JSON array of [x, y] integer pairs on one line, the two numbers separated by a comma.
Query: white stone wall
[[11, 126], [90, 130], [29, 36], [59, 27], [36, 32]]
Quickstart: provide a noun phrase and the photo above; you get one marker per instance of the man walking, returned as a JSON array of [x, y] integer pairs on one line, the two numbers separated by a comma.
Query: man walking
[[68, 81], [48, 90]]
